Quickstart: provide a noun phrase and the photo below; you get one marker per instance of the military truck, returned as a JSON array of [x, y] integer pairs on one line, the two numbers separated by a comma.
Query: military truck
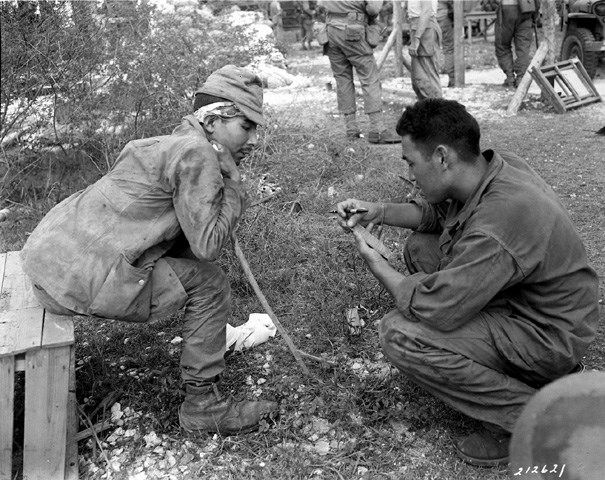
[[583, 24]]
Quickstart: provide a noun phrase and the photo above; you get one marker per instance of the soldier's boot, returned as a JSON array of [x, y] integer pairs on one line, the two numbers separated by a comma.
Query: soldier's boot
[[510, 81], [487, 447], [379, 133], [207, 410], [352, 126]]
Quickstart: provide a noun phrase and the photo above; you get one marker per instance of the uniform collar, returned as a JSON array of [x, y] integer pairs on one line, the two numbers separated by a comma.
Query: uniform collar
[[495, 164]]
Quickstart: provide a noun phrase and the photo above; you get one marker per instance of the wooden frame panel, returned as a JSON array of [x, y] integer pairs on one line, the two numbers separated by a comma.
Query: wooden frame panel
[[566, 85]]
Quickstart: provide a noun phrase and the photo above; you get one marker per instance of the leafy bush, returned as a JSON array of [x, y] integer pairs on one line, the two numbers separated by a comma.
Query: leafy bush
[[75, 88]]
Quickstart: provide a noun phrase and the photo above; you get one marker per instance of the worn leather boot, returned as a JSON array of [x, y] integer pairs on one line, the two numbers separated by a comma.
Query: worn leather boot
[[487, 447], [212, 412], [384, 137], [352, 126]]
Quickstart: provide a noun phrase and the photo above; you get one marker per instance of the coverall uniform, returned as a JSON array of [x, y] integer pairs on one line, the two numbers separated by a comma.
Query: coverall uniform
[[500, 299], [111, 250], [513, 26], [425, 63]]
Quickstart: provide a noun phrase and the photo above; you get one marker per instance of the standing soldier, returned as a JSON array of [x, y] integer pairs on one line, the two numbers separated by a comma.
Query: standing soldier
[[306, 23], [277, 20], [514, 20], [424, 48], [348, 48]]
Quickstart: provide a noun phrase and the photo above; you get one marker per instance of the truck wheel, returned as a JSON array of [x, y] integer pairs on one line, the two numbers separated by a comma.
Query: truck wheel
[[574, 45]]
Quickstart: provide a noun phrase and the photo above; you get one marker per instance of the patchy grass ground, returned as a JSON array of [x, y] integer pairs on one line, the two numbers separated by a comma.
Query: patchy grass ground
[[359, 419]]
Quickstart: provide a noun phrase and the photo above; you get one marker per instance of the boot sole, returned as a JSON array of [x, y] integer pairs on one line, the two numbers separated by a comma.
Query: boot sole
[[483, 462]]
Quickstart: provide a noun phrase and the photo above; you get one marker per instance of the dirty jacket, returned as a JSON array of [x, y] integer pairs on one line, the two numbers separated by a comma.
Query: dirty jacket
[[94, 252], [513, 251]]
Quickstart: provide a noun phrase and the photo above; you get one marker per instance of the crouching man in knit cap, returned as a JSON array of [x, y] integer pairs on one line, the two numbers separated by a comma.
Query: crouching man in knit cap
[[142, 241]]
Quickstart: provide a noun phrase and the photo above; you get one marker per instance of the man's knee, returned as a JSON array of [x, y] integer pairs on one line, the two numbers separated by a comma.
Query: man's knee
[[398, 339]]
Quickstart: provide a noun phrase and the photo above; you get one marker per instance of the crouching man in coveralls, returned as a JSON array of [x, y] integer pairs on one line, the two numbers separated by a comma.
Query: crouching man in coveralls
[[141, 242], [500, 299]]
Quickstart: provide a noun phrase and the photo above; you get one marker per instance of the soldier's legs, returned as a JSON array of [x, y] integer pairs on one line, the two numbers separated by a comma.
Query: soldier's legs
[[447, 47], [425, 77], [461, 367], [343, 74], [504, 33], [523, 41], [367, 72], [206, 312]]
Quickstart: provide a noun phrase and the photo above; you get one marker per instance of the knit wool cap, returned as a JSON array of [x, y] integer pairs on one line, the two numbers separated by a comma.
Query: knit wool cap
[[240, 86]]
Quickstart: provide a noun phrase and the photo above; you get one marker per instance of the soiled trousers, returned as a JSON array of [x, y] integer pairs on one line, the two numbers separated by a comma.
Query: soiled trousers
[[346, 55], [461, 367], [511, 27], [207, 308]]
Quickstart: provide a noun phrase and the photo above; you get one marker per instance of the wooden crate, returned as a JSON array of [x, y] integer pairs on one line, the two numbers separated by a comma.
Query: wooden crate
[[42, 345]]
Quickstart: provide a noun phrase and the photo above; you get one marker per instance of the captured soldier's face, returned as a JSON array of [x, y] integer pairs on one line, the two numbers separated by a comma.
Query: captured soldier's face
[[237, 134]]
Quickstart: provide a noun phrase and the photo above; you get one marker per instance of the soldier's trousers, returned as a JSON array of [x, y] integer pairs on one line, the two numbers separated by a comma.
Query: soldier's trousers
[[513, 27], [461, 367], [203, 289], [346, 55]]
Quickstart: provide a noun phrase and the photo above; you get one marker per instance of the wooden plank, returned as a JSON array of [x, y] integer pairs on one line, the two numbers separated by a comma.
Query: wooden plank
[[58, 330], [20, 330], [71, 457], [7, 394], [459, 61], [525, 82], [17, 290], [46, 401]]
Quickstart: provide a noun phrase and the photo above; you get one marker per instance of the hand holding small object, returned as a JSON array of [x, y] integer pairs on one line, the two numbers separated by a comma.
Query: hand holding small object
[[348, 209]]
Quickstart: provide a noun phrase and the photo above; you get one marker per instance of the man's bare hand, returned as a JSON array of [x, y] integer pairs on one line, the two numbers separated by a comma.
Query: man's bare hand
[[226, 162], [371, 213]]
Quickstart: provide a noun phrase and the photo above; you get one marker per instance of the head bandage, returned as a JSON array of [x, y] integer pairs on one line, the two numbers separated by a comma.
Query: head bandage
[[218, 109]]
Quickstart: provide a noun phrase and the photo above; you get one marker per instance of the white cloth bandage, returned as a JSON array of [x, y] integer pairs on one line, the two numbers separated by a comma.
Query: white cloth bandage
[[218, 109]]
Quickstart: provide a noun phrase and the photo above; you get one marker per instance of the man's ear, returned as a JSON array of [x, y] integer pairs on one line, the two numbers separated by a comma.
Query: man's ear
[[443, 155], [209, 125]]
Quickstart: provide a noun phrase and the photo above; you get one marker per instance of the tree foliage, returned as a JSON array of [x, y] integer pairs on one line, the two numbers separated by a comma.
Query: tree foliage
[[74, 76]]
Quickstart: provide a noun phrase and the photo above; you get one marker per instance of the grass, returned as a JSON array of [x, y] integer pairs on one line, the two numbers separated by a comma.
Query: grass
[[360, 419]]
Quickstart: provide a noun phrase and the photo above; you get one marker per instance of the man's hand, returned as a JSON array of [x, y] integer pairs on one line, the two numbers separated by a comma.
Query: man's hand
[[372, 212], [369, 254], [225, 159], [413, 48]]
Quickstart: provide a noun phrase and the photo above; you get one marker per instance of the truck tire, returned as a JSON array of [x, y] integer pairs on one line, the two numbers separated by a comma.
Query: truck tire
[[574, 45]]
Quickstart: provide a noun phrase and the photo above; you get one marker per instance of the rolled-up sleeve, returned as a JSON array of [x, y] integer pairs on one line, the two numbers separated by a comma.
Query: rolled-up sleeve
[[207, 205], [433, 216], [452, 296]]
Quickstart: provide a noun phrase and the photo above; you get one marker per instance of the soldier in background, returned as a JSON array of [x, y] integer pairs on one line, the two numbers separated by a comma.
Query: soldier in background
[[425, 43], [514, 21], [306, 23], [348, 49], [276, 15]]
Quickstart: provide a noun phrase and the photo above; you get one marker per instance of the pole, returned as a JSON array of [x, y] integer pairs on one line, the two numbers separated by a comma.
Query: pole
[[459, 44], [397, 22]]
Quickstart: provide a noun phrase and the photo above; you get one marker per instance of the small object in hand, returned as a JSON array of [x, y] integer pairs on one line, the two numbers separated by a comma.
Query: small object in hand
[[354, 323], [353, 211], [375, 243]]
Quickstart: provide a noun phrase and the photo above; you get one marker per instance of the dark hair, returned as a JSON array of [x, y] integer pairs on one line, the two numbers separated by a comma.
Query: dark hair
[[203, 99], [435, 121]]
